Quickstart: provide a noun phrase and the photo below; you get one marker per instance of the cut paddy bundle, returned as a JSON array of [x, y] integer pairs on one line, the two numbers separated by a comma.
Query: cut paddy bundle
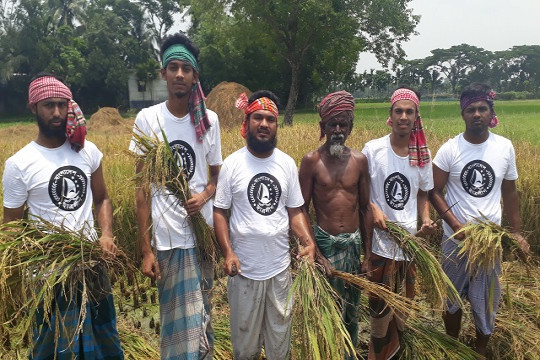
[[320, 331], [484, 244], [40, 261], [161, 169], [435, 284]]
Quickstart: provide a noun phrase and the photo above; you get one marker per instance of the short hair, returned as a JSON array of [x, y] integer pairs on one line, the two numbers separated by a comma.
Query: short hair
[[44, 73], [181, 39], [477, 90], [263, 93]]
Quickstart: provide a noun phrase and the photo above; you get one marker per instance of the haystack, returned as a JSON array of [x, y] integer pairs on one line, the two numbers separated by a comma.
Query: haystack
[[108, 118], [221, 100]]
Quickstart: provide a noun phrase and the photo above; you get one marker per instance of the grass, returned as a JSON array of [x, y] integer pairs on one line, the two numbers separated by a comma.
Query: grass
[[518, 325]]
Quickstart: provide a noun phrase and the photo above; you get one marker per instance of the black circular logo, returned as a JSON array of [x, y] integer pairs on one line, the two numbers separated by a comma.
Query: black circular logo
[[185, 156], [477, 178], [397, 191], [67, 188], [264, 192]]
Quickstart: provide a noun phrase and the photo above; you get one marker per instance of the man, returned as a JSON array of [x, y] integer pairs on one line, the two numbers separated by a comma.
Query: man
[[401, 176], [56, 178], [337, 179], [259, 184], [193, 132], [476, 168]]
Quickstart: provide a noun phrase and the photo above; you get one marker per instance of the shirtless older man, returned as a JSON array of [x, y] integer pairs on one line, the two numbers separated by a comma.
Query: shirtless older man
[[337, 179]]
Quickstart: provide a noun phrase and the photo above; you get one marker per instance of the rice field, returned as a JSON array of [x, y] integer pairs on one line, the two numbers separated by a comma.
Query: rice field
[[517, 334]]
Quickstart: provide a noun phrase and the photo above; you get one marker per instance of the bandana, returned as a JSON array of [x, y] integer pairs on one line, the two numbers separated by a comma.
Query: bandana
[[196, 104], [333, 104], [262, 103], [418, 149], [49, 87], [466, 101]]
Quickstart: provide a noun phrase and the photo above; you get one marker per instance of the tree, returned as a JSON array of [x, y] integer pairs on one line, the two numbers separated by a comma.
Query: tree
[[457, 62], [318, 40]]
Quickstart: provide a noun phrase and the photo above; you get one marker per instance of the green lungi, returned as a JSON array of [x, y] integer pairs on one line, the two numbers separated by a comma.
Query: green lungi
[[343, 251]]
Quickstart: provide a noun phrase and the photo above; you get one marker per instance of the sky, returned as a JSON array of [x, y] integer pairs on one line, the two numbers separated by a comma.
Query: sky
[[492, 25]]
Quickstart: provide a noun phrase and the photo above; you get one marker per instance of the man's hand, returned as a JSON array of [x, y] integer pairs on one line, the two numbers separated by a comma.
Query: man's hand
[[150, 266], [108, 245], [195, 204], [461, 235], [428, 227], [366, 265], [379, 218], [231, 265], [308, 251], [523, 244], [327, 267]]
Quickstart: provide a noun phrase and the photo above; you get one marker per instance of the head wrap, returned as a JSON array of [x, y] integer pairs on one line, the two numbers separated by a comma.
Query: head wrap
[[262, 103], [418, 149], [466, 101], [50, 87], [196, 104], [333, 104]]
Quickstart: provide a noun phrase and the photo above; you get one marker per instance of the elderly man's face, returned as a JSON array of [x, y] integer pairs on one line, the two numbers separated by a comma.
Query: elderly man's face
[[51, 116], [337, 129]]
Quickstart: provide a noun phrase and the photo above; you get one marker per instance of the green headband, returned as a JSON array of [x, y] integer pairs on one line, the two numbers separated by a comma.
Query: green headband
[[179, 52]]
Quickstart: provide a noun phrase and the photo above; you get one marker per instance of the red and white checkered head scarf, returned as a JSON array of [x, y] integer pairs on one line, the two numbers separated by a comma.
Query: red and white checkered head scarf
[[50, 87], [333, 104], [418, 149], [262, 103]]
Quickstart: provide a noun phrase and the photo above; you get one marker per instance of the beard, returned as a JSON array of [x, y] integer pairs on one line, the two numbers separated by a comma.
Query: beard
[[51, 132], [337, 146], [259, 146]]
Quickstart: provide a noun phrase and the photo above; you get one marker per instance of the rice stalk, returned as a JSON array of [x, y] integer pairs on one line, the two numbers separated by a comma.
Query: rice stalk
[[422, 341], [436, 285], [484, 244], [398, 303], [320, 331], [161, 169], [135, 346], [39, 261]]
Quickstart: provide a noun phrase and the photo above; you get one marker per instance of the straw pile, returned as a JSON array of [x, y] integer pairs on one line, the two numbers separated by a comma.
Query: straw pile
[[38, 259], [320, 332], [108, 119], [435, 284], [222, 99], [161, 169]]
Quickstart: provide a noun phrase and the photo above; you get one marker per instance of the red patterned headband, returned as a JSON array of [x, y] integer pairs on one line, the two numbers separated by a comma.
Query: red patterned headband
[[262, 103], [47, 87]]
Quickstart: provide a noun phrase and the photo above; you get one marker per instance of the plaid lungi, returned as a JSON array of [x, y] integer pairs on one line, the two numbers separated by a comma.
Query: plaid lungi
[[343, 251], [184, 320], [98, 339], [386, 325]]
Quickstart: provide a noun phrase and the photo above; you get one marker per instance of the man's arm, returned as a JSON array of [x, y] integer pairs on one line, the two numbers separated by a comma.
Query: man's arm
[[306, 180], [511, 210], [197, 201], [13, 214], [436, 196], [422, 204], [231, 264], [150, 266], [103, 210], [365, 211], [300, 227]]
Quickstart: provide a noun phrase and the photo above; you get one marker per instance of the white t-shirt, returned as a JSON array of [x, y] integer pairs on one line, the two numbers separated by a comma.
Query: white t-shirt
[[394, 189], [170, 223], [476, 172], [258, 192], [54, 184]]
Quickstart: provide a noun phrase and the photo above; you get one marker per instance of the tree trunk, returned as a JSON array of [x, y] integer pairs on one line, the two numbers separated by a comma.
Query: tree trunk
[[293, 96]]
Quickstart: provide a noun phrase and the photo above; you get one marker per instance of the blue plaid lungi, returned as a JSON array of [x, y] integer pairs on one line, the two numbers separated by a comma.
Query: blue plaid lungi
[[483, 290], [98, 339], [185, 320]]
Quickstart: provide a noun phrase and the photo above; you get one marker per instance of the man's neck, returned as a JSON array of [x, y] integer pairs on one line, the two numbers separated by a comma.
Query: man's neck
[[475, 138], [260, 155], [49, 142], [400, 144], [178, 106]]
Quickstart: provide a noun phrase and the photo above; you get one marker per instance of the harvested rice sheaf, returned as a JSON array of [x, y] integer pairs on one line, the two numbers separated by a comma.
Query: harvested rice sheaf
[[37, 261], [161, 169], [320, 332], [435, 284]]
